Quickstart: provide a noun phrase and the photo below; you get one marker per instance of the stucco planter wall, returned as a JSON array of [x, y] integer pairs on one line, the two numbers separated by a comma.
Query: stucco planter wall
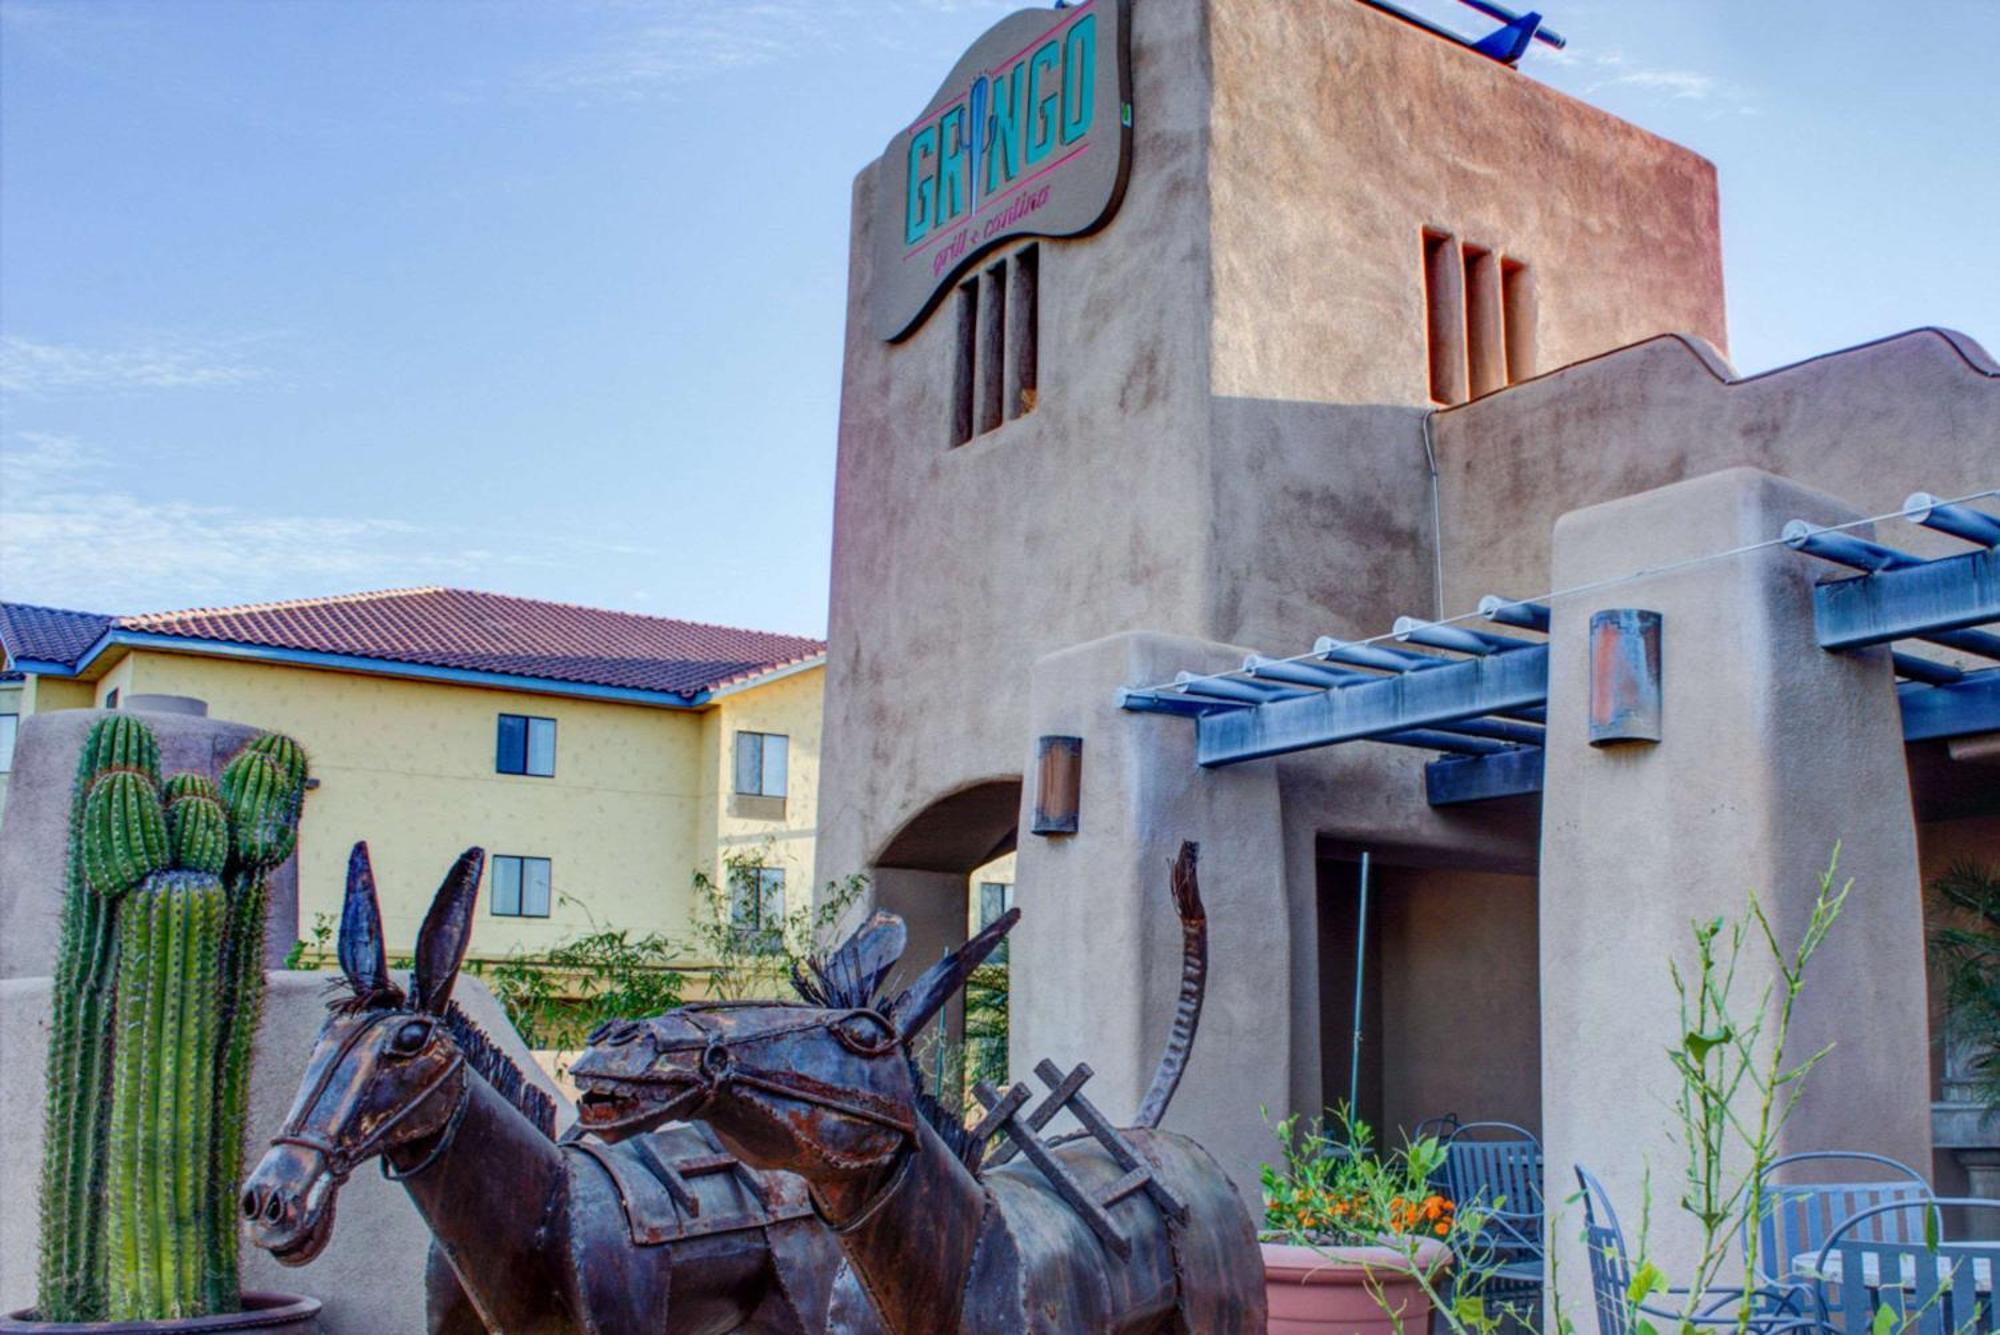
[[1324, 1290], [271, 1313]]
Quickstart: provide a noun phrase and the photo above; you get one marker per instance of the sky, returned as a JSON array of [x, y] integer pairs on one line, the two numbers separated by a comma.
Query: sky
[[301, 297]]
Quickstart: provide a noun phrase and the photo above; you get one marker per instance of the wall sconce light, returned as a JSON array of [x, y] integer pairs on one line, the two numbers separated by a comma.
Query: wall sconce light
[[1625, 692], [1058, 784]]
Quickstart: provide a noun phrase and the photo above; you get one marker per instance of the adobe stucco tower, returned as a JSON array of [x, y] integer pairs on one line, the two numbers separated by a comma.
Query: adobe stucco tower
[[1268, 398]]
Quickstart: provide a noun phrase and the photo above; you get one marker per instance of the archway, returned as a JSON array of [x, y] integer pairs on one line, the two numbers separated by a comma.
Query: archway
[[926, 874]]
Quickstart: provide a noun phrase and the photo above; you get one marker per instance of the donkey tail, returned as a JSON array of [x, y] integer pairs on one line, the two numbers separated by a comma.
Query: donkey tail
[[1194, 983]]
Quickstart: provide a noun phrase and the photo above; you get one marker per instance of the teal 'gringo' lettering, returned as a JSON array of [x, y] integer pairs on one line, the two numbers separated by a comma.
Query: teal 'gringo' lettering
[[1079, 78], [917, 213], [977, 146], [954, 191], [1044, 108], [1003, 149]]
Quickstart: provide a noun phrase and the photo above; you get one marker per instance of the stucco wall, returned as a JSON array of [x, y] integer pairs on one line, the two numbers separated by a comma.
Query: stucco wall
[[775, 832], [954, 569], [1340, 133], [1917, 411], [1461, 1009], [408, 766], [1230, 439]]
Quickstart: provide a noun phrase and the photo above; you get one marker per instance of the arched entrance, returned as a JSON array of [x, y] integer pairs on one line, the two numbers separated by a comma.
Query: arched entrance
[[947, 867]]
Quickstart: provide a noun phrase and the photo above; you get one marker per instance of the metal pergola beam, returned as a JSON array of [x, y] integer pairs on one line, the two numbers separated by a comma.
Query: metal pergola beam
[[1462, 779], [1469, 689], [1963, 708], [1948, 594]]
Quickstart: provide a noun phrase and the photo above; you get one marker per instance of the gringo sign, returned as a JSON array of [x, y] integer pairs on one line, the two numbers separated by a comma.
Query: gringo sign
[[1030, 135]]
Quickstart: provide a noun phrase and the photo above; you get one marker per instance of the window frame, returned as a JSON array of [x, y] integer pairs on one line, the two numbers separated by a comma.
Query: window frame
[[761, 741], [10, 733], [527, 747], [1006, 897], [762, 888], [520, 863]]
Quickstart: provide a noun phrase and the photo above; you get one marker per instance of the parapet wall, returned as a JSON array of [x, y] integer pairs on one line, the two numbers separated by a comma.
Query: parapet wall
[[1870, 424]]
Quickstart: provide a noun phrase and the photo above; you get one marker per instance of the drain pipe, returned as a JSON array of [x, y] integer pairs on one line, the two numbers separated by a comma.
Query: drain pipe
[[1437, 519], [1360, 972]]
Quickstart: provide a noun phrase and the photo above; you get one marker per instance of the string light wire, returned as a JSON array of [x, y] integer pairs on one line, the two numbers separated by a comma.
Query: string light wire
[[1575, 590]]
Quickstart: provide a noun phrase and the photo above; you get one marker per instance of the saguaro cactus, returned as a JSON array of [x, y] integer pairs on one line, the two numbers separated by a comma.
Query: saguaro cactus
[[120, 755], [158, 985]]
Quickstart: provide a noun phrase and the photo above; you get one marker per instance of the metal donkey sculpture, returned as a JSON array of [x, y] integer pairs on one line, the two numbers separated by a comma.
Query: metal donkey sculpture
[[1107, 1231], [662, 1233]]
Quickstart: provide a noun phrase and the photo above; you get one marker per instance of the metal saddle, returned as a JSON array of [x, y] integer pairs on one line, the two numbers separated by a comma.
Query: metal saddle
[[678, 1182]]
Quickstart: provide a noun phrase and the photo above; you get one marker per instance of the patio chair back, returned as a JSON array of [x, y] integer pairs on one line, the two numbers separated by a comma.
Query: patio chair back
[[1497, 1166], [1441, 1128], [1797, 1218], [1929, 1290], [1610, 1268]]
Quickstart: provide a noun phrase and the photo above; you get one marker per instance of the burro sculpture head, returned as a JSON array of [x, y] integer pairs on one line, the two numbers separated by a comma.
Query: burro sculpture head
[[387, 1074], [823, 1087]]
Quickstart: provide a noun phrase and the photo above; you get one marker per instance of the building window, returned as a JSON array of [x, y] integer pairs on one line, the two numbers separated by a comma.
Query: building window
[[757, 908], [111, 698], [995, 898], [520, 887], [997, 358], [527, 745], [10, 725], [761, 759], [1479, 318]]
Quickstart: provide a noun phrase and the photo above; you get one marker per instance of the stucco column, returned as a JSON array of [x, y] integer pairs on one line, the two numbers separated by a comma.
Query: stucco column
[[1772, 750], [1097, 957], [933, 907]]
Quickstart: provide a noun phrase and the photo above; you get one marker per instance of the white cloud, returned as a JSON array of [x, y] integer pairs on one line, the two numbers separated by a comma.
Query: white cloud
[[668, 43], [71, 536], [1675, 83], [36, 368]]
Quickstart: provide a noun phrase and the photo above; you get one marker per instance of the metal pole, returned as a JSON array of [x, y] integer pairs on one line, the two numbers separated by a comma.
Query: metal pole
[[1360, 969]]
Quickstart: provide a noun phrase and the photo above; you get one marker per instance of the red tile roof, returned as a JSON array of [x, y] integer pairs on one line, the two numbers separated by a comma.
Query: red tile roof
[[491, 632], [48, 634]]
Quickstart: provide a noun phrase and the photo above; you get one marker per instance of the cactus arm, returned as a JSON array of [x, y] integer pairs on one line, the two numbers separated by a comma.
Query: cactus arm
[[203, 1218], [262, 788], [70, 1280]]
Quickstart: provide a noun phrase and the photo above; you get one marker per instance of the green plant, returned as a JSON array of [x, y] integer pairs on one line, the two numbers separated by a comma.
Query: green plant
[[1965, 947], [557, 998], [1737, 1089], [951, 1069], [158, 985], [313, 954], [1335, 1189], [758, 962]]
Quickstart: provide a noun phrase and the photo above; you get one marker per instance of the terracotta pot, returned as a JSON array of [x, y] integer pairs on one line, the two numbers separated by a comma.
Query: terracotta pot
[[272, 1313], [1324, 1290]]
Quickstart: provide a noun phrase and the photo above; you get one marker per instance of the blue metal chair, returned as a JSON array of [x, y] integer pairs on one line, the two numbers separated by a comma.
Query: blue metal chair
[[1496, 1167], [1796, 1218], [1929, 1287], [1436, 1128], [1774, 1313]]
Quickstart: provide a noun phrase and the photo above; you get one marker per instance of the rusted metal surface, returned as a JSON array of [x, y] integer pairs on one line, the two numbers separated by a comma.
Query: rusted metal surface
[[1625, 686], [1058, 785], [664, 1232], [1130, 1230]]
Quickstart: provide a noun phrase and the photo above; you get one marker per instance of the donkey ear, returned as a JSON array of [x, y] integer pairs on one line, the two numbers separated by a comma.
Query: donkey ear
[[447, 931], [911, 1011], [857, 968], [360, 948]]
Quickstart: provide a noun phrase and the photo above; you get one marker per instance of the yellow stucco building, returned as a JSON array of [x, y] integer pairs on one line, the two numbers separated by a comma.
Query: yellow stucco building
[[601, 758]]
